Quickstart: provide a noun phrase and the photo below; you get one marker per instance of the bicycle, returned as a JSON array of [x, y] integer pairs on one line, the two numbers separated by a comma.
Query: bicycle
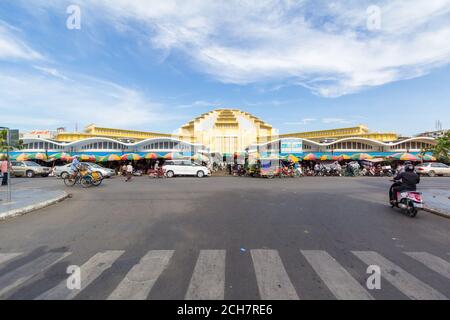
[[84, 177]]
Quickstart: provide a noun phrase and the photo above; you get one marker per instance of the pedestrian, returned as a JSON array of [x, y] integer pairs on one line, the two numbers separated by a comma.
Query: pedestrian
[[129, 172], [4, 170]]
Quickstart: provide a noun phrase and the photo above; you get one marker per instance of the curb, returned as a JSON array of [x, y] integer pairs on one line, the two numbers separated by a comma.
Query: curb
[[33, 207], [437, 212]]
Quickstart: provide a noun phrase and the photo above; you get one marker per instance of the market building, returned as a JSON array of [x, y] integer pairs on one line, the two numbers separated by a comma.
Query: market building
[[225, 132]]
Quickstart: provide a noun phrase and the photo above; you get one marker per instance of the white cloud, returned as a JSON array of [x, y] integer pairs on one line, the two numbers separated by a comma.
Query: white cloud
[[304, 121], [32, 100], [324, 47], [11, 47], [335, 121], [200, 104], [51, 71]]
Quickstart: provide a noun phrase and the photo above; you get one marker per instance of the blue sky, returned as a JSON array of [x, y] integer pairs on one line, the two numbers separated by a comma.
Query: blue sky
[[153, 65]]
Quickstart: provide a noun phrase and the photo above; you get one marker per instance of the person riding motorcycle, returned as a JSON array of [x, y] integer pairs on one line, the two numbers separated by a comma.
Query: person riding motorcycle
[[409, 179]]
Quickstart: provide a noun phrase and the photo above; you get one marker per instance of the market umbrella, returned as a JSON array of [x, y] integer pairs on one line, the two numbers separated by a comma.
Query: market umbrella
[[361, 156], [326, 157], [200, 157], [343, 157], [427, 157], [38, 156], [151, 156], [111, 157], [404, 157], [310, 157], [292, 158], [131, 156], [86, 157], [22, 157], [60, 156]]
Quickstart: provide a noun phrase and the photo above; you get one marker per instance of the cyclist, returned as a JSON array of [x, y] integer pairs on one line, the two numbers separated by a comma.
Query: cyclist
[[75, 167]]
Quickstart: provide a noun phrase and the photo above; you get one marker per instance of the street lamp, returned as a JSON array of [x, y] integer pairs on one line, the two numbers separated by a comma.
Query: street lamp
[[8, 190]]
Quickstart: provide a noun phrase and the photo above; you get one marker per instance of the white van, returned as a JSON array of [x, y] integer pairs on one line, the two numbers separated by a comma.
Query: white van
[[184, 168]]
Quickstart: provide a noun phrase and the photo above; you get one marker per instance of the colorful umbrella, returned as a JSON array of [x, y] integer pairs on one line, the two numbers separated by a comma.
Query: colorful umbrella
[[22, 157], [60, 156], [427, 157], [310, 157], [151, 156], [361, 156], [327, 157], [111, 157], [37, 156], [131, 156], [293, 158], [86, 157], [200, 157], [404, 157], [344, 157]]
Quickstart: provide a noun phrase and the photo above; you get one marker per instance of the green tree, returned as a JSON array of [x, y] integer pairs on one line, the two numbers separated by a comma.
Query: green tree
[[442, 148], [3, 137]]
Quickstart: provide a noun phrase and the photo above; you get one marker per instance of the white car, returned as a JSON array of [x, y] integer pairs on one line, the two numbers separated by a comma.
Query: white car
[[63, 171], [433, 169], [185, 168]]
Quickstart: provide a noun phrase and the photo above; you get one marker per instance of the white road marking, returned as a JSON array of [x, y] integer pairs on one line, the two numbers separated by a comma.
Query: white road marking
[[208, 279], [141, 278], [436, 264], [399, 278], [273, 280], [90, 271], [27, 271], [336, 278], [8, 256]]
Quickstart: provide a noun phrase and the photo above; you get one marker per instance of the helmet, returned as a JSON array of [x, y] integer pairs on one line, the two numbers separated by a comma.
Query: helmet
[[409, 167]]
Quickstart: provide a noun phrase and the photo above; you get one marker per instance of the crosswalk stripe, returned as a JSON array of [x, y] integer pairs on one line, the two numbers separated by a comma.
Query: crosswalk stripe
[[272, 279], [399, 278], [90, 271], [436, 264], [141, 278], [27, 271], [335, 277], [208, 279], [8, 256]]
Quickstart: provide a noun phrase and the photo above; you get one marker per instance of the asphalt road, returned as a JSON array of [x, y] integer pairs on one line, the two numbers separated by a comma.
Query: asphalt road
[[225, 237]]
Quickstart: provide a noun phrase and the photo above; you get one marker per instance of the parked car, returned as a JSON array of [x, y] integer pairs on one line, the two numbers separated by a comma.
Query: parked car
[[29, 169], [433, 169], [185, 168], [64, 171]]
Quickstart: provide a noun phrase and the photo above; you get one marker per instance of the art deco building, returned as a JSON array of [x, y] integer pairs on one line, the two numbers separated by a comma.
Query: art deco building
[[225, 131]]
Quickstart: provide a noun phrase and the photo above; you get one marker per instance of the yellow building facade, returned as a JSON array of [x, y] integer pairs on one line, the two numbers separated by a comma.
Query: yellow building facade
[[225, 131]]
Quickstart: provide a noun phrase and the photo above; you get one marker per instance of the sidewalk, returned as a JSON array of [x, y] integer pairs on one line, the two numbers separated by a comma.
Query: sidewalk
[[437, 201], [27, 200]]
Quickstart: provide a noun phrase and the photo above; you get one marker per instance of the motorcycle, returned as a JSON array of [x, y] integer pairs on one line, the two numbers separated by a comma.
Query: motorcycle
[[157, 173], [409, 202]]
